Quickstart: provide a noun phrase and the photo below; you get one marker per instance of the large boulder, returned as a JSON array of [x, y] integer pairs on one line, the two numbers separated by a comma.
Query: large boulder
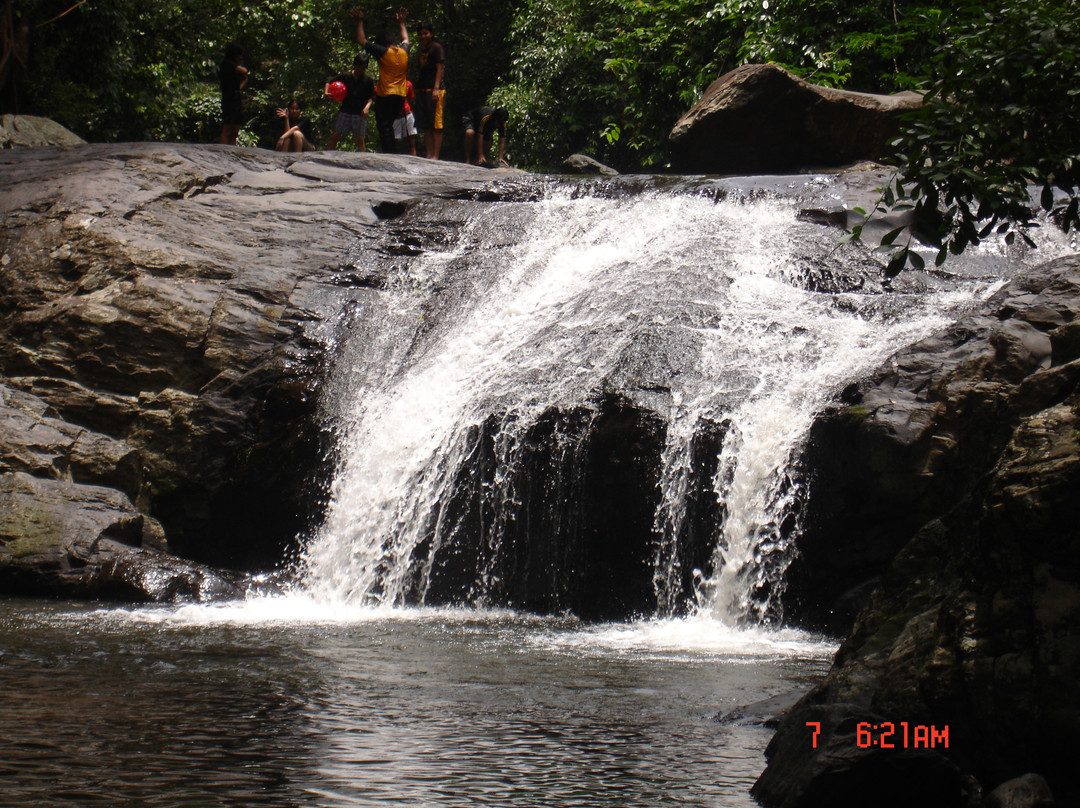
[[973, 629], [71, 540], [165, 312], [762, 119], [31, 131]]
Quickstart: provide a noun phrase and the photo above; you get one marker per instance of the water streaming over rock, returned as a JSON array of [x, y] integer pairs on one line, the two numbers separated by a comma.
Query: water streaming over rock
[[518, 363]]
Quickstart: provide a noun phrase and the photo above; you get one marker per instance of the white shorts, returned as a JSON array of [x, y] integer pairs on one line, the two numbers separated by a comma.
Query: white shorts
[[404, 126]]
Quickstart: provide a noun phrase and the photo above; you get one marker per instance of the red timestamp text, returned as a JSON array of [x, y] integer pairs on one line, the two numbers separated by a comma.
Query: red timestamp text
[[893, 735]]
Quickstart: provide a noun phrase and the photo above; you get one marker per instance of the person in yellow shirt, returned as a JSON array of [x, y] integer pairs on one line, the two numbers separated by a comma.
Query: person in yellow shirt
[[393, 66]]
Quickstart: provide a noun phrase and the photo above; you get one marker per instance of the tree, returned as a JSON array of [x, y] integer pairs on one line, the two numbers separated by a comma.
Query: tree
[[998, 131], [611, 77]]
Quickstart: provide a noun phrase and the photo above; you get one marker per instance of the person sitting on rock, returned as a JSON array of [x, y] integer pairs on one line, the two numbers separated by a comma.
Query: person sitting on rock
[[295, 137], [480, 125]]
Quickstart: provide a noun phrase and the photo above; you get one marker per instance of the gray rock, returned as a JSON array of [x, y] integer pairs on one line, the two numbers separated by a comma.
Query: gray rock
[[908, 443], [583, 164], [761, 119], [1029, 791], [974, 624], [34, 440], [66, 539], [164, 316], [30, 131]]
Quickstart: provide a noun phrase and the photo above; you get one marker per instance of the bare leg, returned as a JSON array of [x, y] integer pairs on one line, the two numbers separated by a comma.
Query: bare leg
[[470, 143], [229, 133], [433, 143]]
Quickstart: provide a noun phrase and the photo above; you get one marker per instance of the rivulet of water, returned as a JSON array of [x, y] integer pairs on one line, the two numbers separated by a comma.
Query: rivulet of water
[[734, 315]]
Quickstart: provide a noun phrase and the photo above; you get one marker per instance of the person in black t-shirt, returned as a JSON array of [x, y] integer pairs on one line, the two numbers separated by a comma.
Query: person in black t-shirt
[[233, 76], [480, 125], [430, 89], [297, 134], [352, 116]]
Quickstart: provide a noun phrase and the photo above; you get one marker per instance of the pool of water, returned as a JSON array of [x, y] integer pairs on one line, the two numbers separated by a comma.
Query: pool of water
[[285, 703]]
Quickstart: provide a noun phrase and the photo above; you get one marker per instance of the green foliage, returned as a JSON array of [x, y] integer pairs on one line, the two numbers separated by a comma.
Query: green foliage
[[584, 70], [140, 70], [610, 78], [997, 132]]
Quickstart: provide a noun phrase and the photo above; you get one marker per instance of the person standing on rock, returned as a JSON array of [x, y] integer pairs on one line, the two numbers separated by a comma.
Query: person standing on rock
[[232, 76], [430, 90], [405, 125], [393, 67], [480, 125], [352, 117]]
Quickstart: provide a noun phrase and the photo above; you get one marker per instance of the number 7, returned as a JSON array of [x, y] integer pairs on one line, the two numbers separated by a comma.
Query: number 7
[[817, 730]]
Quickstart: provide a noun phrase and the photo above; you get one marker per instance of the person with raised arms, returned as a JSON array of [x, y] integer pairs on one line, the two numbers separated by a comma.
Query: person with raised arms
[[393, 67]]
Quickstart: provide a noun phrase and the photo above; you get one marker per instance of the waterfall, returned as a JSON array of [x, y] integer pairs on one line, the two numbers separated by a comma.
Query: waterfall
[[725, 317]]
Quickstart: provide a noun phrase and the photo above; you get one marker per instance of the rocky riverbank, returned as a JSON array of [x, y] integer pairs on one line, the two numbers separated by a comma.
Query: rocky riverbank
[[168, 314], [160, 316], [962, 455]]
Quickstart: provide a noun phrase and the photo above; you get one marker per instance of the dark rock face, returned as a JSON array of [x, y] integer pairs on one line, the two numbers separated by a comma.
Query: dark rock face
[[975, 624], [160, 315], [906, 445], [578, 535], [65, 539], [761, 119]]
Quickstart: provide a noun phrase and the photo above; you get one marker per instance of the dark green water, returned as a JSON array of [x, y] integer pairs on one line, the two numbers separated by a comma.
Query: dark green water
[[285, 704]]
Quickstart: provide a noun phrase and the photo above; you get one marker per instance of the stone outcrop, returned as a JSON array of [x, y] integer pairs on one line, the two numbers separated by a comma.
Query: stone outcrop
[[578, 536], [30, 131], [583, 164], [761, 119], [971, 434], [907, 444], [164, 312]]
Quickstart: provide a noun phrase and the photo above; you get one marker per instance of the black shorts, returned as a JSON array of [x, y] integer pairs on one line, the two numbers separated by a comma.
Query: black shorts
[[232, 113]]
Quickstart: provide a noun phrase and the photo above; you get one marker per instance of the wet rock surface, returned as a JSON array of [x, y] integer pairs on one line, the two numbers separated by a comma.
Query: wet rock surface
[[160, 308], [963, 452]]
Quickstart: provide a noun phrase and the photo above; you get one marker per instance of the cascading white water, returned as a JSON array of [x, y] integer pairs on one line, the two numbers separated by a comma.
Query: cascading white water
[[579, 284]]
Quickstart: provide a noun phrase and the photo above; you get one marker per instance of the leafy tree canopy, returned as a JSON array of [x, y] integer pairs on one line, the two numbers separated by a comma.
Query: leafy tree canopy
[[606, 77], [999, 129]]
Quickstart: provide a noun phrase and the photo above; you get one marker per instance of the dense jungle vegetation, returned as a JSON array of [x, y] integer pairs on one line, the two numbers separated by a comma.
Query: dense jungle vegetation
[[605, 77]]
